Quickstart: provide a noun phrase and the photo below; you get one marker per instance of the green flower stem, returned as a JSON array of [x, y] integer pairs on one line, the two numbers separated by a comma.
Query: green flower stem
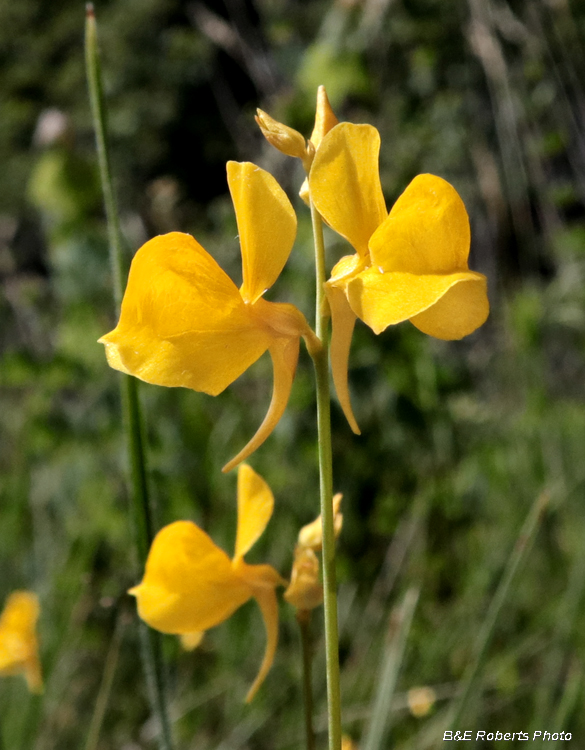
[[141, 509], [321, 363], [486, 632], [304, 621]]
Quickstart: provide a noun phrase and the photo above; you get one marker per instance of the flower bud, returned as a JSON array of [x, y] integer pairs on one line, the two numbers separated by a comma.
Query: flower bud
[[305, 591], [311, 535], [421, 700], [287, 140]]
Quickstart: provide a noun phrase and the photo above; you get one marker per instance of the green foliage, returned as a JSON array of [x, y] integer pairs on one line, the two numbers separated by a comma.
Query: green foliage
[[457, 439]]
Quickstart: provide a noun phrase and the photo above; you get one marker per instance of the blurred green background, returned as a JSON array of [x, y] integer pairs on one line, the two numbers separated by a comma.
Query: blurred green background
[[458, 439]]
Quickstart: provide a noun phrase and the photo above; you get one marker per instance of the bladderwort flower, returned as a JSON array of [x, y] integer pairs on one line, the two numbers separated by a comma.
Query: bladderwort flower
[[409, 264], [184, 322], [191, 585], [19, 650]]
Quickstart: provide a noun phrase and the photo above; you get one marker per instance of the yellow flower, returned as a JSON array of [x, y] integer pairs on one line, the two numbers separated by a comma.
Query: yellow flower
[[410, 264], [185, 323], [191, 585], [19, 651]]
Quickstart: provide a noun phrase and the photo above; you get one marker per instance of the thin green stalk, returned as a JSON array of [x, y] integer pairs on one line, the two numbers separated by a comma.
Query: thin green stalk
[[569, 698], [484, 638], [568, 612], [399, 629], [141, 510], [304, 621], [321, 363], [103, 696]]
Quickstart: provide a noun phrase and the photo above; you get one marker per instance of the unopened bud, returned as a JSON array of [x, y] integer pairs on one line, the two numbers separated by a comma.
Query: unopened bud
[[305, 591], [421, 700], [311, 535], [287, 140]]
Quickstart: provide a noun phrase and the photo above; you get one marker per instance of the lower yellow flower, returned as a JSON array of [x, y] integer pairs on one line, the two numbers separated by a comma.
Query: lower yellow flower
[[19, 651], [191, 585], [410, 264], [184, 322]]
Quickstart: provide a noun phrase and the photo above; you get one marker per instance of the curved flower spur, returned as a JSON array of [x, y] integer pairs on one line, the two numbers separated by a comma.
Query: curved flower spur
[[191, 585], [184, 322], [410, 264]]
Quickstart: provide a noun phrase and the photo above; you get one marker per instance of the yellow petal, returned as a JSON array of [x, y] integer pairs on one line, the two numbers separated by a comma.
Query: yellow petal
[[183, 321], [189, 584], [18, 640], [346, 268], [255, 506], [266, 599], [459, 312], [345, 185], [325, 119], [342, 325], [427, 230], [285, 354], [257, 576], [190, 641], [267, 225], [383, 299]]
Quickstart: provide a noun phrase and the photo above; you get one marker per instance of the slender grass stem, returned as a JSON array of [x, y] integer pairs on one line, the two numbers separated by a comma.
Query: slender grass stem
[[141, 509], [486, 632], [569, 697], [304, 621], [103, 696], [321, 363], [399, 629]]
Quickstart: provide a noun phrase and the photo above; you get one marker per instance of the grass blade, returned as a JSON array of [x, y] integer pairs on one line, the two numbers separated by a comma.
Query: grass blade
[[400, 623], [484, 638], [141, 510]]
